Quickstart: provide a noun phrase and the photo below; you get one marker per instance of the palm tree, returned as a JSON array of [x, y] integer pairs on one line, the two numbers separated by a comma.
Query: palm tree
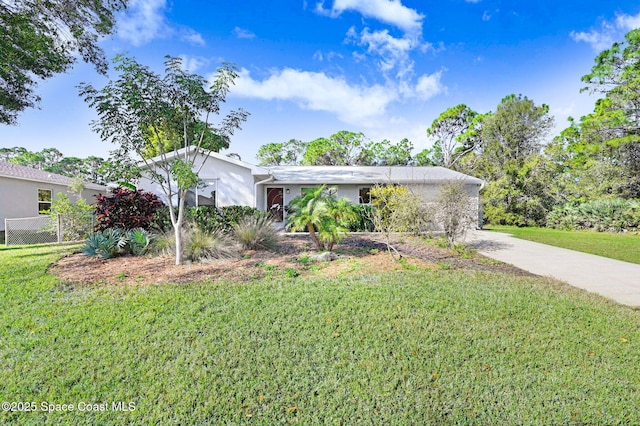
[[322, 214], [307, 211]]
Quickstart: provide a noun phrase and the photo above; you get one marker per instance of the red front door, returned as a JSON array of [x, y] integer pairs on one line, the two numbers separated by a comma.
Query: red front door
[[275, 202]]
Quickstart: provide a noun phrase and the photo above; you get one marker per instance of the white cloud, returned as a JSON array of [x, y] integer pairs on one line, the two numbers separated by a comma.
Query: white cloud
[[426, 87], [608, 33], [393, 52], [191, 36], [628, 22], [472, 1], [429, 85], [389, 11], [193, 63], [243, 33], [326, 56], [144, 21], [486, 16], [599, 40], [353, 104]]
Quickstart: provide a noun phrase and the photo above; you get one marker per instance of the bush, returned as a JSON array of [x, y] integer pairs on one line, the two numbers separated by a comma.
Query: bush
[[455, 211], [199, 245], [107, 244], [202, 245], [139, 241], [256, 233], [126, 209], [615, 215], [115, 242], [206, 218], [363, 221]]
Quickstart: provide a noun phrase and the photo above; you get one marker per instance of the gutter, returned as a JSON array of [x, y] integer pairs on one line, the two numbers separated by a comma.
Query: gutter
[[255, 189]]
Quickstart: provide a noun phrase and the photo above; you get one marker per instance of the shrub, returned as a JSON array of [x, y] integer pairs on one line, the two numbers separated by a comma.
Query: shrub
[[202, 245], [362, 221], [454, 211], [207, 218], [138, 241], [615, 215], [199, 244], [256, 232], [323, 215], [115, 242], [107, 244], [126, 209]]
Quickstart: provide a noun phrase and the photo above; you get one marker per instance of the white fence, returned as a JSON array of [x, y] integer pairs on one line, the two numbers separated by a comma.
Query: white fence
[[48, 229]]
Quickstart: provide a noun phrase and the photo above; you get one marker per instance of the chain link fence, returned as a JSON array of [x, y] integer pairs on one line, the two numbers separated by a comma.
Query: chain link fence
[[48, 229]]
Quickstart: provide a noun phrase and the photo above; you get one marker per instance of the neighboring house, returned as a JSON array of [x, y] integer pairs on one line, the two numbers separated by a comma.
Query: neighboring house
[[227, 181], [25, 192]]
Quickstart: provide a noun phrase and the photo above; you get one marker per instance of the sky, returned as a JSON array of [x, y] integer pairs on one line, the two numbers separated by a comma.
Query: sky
[[311, 68]]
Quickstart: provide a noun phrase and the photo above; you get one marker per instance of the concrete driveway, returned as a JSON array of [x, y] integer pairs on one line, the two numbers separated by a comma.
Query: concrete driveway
[[610, 278]]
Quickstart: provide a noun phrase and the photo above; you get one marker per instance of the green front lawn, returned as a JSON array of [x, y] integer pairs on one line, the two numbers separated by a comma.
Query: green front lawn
[[616, 246], [409, 347]]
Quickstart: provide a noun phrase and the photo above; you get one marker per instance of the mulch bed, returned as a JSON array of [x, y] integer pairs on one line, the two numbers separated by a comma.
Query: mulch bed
[[369, 249]]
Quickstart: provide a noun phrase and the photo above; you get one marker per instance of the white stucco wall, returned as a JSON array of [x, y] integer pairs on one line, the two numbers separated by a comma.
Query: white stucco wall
[[19, 198], [429, 192], [233, 183]]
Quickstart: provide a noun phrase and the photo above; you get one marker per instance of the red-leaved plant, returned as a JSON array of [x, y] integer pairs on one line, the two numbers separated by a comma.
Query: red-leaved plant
[[126, 209]]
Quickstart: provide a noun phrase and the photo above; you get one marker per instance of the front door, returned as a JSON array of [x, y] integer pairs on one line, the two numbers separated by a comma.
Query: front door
[[275, 202]]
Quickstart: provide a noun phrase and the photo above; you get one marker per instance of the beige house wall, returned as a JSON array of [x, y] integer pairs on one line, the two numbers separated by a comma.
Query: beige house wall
[[19, 198]]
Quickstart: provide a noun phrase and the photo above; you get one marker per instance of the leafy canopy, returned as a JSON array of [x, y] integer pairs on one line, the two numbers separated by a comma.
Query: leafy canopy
[[145, 113], [42, 38]]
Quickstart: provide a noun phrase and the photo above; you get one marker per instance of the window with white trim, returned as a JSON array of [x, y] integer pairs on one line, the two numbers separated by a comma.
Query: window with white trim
[[44, 200]]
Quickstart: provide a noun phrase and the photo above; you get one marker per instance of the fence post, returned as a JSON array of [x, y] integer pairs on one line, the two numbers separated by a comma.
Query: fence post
[[6, 241], [60, 230]]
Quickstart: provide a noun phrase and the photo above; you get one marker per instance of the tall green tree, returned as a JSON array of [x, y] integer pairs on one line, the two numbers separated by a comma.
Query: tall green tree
[[450, 129], [340, 149], [612, 132], [141, 103], [385, 153], [509, 160], [281, 153], [40, 38]]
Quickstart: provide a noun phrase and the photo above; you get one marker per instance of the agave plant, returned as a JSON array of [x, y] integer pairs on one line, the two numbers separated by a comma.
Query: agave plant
[[110, 243], [139, 240]]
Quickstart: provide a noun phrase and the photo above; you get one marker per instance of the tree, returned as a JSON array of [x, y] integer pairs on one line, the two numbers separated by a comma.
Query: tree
[[508, 159], [323, 215], [449, 130], [517, 129], [385, 153], [397, 209], [278, 154], [430, 156], [42, 38], [341, 149], [141, 104], [611, 134], [455, 211]]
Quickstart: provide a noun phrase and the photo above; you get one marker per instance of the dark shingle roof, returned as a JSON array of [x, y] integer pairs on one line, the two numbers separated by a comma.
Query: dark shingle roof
[[14, 171]]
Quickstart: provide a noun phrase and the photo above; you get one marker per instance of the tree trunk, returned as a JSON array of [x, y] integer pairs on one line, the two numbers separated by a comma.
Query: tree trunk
[[314, 237]]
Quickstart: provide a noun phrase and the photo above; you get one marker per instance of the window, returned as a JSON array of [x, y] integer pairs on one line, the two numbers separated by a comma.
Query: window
[[44, 200], [364, 195]]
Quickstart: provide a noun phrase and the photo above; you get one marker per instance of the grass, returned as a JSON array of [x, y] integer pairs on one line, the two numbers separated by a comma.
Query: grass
[[624, 247], [410, 347]]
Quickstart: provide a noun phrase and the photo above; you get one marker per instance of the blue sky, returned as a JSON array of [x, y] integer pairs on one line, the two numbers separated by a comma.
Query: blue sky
[[310, 68]]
